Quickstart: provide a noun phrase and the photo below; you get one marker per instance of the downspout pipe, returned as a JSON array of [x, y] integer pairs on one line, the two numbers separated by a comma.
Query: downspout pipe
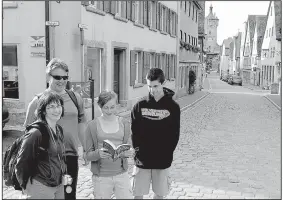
[[47, 35], [47, 38]]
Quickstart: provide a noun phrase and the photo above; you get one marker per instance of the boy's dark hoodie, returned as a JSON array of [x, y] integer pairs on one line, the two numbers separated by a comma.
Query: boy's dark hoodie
[[155, 131]]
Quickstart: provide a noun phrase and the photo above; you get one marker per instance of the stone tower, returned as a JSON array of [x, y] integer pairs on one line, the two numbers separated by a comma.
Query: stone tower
[[211, 22], [211, 47]]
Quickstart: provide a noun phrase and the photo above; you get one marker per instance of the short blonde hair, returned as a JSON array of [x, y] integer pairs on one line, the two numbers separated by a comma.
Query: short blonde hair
[[106, 96], [56, 63]]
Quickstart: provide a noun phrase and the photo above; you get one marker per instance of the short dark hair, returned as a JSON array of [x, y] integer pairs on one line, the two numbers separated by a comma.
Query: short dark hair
[[45, 99], [106, 96], [155, 74]]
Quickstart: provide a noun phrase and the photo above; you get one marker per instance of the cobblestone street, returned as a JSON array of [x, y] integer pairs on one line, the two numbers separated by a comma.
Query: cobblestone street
[[229, 147]]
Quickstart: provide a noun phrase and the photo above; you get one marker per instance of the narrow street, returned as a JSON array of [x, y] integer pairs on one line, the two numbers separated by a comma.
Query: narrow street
[[230, 147]]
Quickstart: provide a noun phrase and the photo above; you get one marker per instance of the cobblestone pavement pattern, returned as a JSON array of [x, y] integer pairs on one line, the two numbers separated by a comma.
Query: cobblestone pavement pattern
[[229, 148]]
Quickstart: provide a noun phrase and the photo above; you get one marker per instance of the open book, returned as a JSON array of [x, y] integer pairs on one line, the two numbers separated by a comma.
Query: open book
[[113, 150]]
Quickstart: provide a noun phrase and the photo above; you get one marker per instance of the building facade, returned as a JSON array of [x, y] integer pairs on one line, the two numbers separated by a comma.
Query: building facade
[[256, 51], [225, 56], [114, 43], [271, 48], [189, 51]]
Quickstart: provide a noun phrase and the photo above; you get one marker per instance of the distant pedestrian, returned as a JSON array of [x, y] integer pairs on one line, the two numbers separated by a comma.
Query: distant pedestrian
[[41, 163], [109, 175], [73, 122], [155, 135]]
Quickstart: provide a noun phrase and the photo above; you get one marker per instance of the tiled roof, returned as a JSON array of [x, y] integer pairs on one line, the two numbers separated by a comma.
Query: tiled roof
[[260, 30], [278, 19]]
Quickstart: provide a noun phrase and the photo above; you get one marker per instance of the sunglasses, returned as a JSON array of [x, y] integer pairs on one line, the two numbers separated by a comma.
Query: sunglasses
[[59, 77]]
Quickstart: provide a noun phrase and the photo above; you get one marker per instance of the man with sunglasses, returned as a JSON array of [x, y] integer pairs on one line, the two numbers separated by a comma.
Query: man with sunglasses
[[73, 122]]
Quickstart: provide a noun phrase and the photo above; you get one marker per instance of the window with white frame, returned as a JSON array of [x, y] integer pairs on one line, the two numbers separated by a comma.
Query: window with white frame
[[151, 61], [121, 8], [10, 71]]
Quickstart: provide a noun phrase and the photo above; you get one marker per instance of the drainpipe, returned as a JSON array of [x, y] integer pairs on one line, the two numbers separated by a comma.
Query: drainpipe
[[47, 39], [47, 48], [177, 80]]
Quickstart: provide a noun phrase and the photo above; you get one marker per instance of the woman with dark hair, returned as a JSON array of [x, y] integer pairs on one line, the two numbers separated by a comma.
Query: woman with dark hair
[[40, 164]]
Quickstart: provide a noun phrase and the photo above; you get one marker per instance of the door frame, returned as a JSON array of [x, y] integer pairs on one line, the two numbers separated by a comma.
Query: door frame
[[124, 70]]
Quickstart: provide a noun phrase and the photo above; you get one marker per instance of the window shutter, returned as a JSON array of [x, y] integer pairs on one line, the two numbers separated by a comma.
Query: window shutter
[[154, 13], [129, 10], [85, 3], [141, 13], [158, 16], [167, 20], [154, 60], [113, 7], [145, 13], [133, 11], [106, 6], [149, 9], [176, 23], [167, 65], [132, 69], [146, 65], [141, 67]]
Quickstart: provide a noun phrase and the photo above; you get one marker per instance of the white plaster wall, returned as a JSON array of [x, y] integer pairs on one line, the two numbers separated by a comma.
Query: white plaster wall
[[28, 19], [107, 29]]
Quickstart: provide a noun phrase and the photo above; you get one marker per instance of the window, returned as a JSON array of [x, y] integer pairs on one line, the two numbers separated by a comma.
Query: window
[[266, 33], [96, 4], [181, 34], [185, 36], [185, 6], [193, 11], [270, 11], [174, 27], [152, 61], [196, 15], [10, 71], [269, 32], [139, 11], [150, 16], [121, 8], [93, 68], [272, 31], [189, 39], [189, 8], [138, 65]]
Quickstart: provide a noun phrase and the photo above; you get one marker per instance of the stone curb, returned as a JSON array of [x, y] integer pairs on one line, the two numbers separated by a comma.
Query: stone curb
[[192, 104], [278, 107]]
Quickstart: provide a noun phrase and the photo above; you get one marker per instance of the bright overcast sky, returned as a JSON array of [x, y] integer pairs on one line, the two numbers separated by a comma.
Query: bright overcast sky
[[232, 15]]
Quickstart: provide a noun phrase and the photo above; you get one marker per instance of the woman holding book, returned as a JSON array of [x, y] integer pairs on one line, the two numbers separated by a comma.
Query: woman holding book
[[109, 169]]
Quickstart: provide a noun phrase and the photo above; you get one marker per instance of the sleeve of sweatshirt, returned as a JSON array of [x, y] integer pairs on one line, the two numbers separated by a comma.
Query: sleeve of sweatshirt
[[92, 153], [27, 156], [176, 126], [135, 118]]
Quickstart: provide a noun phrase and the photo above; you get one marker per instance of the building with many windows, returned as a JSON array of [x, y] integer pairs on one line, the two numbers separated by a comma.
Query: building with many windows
[[112, 42], [189, 51], [271, 68]]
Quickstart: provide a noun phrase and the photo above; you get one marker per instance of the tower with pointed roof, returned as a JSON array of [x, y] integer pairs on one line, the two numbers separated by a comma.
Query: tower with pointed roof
[[211, 47]]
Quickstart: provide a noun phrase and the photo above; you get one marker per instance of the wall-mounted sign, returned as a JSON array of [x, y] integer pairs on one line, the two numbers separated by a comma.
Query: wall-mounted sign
[[82, 26], [37, 46], [52, 23]]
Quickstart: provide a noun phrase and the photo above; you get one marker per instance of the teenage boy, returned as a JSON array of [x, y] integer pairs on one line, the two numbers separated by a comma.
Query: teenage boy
[[155, 134]]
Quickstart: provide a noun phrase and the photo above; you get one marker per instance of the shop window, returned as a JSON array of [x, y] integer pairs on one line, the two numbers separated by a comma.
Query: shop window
[[10, 72]]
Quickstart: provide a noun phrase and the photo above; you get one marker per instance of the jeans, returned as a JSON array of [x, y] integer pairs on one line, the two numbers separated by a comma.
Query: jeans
[[73, 170], [37, 190]]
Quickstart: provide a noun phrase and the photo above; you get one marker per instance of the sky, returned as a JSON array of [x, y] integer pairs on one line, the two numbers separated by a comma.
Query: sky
[[233, 14]]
